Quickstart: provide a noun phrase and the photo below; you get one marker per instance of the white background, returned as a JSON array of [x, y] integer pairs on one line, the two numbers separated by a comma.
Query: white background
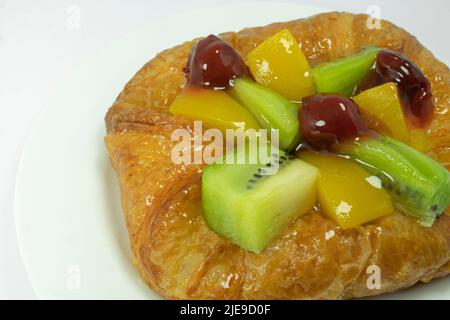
[[38, 49]]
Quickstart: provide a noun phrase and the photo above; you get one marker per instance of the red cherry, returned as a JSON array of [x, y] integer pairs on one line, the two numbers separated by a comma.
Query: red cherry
[[213, 63], [415, 89], [329, 119]]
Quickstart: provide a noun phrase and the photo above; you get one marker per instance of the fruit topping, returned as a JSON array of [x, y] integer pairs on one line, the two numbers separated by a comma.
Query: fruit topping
[[418, 185], [213, 63], [371, 80], [215, 108], [329, 119], [347, 193], [381, 108], [250, 203], [279, 63], [415, 89], [342, 76], [270, 109], [248, 207]]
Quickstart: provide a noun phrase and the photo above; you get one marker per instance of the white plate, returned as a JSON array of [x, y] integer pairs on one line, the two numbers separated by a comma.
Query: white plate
[[69, 222]]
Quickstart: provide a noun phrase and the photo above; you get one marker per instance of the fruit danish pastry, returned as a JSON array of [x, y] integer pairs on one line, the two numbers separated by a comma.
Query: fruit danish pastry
[[361, 187]]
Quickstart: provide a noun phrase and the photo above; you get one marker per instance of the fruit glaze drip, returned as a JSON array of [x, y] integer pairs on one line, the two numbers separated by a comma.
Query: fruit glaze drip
[[414, 88], [213, 64]]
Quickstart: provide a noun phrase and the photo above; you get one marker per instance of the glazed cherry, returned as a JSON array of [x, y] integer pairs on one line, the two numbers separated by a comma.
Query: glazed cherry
[[329, 119], [415, 89], [213, 63], [371, 80]]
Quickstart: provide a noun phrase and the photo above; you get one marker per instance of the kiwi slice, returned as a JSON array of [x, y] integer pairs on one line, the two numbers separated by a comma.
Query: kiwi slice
[[250, 203], [418, 185], [342, 76], [270, 109]]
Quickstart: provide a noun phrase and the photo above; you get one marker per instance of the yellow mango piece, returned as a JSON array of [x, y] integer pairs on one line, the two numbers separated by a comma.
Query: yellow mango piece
[[420, 139], [381, 108], [347, 193], [215, 108], [280, 64]]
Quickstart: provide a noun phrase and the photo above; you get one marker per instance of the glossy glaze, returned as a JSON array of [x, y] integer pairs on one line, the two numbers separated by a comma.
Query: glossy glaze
[[328, 119], [213, 63], [415, 89]]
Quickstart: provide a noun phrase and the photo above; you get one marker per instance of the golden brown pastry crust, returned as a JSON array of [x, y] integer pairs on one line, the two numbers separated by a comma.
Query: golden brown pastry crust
[[176, 253]]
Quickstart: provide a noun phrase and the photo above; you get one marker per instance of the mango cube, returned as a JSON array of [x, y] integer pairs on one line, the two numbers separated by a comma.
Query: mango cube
[[347, 193], [215, 108], [280, 64], [382, 109]]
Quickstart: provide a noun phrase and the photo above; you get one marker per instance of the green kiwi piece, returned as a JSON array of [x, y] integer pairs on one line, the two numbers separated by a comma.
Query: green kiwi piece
[[270, 109], [418, 185], [342, 76], [250, 203]]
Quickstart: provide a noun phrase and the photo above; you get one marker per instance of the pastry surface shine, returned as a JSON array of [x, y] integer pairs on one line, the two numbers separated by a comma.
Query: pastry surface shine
[[181, 258]]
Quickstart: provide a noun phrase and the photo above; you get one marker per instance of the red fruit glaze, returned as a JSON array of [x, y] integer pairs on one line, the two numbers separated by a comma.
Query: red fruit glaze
[[415, 89], [213, 63], [329, 119], [371, 80]]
